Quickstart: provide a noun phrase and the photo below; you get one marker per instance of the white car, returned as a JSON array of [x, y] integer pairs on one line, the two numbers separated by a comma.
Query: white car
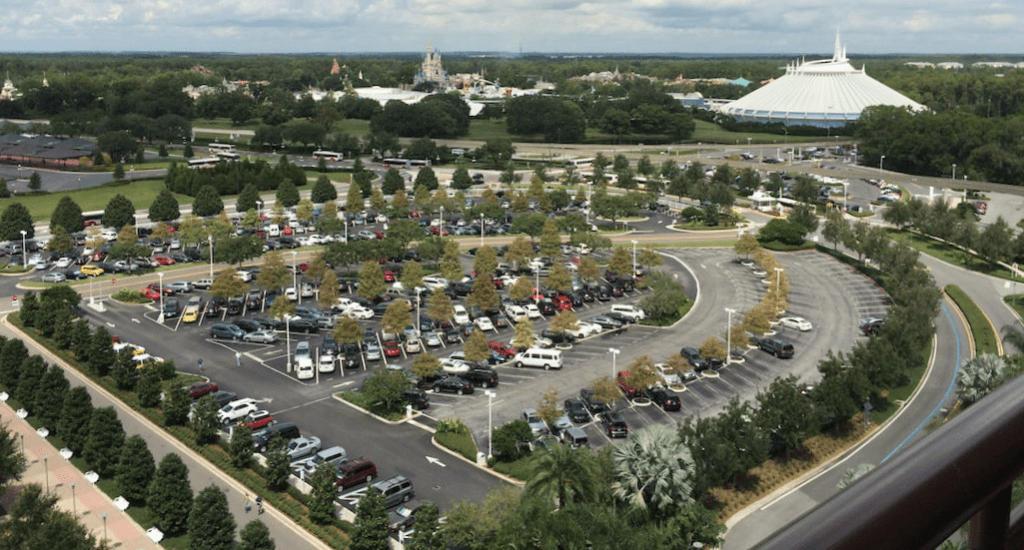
[[454, 366], [434, 283], [460, 315], [668, 376], [236, 410], [64, 263], [797, 323], [359, 312], [484, 324], [532, 311], [515, 312], [413, 346]]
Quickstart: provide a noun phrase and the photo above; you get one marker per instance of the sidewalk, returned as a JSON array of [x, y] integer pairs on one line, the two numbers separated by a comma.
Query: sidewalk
[[85, 499]]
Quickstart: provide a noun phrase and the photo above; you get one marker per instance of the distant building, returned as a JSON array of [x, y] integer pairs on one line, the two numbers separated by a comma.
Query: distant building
[[432, 71], [8, 92], [691, 99], [335, 69], [826, 93], [44, 151]]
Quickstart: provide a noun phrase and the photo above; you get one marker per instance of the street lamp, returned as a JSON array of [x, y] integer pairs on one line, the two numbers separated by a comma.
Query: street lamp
[[536, 288], [846, 186], [104, 516], [441, 232], [615, 353], [728, 337], [74, 504], [778, 291], [954, 170], [490, 420], [634, 257], [46, 468], [288, 342], [295, 277], [161, 275], [481, 230], [418, 290], [210, 239], [880, 161], [259, 210], [24, 250]]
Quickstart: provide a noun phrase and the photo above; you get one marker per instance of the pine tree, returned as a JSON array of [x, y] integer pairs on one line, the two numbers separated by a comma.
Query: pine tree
[[188, 152], [29, 309], [287, 194], [255, 536], [32, 370], [102, 448], [177, 405], [207, 202], [277, 471], [170, 496], [370, 530], [204, 423], [50, 395], [240, 447], [81, 338], [247, 198], [164, 207], [35, 181], [135, 470], [323, 190], [15, 219], [101, 352], [427, 535], [119, 212], [321, 499], [124, 371], [13, 354], [148, 387], [68, 215], [12, 460], [75, 414], [210, 524]]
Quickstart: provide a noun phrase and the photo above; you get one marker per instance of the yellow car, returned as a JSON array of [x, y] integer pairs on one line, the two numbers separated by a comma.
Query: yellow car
[[91, 270], [191, 315]]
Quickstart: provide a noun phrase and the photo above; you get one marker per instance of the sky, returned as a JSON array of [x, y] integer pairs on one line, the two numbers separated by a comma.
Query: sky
[[532, 26]]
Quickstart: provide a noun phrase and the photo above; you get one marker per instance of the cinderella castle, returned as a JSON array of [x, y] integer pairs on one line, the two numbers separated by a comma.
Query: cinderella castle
[[432, 71]]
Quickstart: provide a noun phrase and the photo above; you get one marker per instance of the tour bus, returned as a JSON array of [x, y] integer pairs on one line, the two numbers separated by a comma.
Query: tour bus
[[405, 163], [328, 155], [221, 147], [229, 156], [580, 163], [203, 162]]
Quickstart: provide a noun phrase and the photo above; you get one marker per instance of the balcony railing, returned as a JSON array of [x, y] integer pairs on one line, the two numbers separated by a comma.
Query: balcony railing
[[961, 472]]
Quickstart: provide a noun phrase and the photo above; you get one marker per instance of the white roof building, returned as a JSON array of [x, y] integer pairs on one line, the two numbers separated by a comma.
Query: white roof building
[[822, 93]]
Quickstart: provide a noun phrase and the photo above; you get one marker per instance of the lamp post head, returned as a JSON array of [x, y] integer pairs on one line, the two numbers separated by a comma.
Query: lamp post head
[[23, 232]]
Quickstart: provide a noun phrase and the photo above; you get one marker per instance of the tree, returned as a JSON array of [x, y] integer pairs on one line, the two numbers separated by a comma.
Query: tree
[[124, 371], [177, 406], [712, 348], [620, 263], [101, 352], [426, 365], [74, 418], [427, 535], [483, 295], [102, 448], [164, 207], [370, 529], [386, 388], [548, 407], [412, 275], [277, 470], [227, 284], [119, 212], [653, 471], [980, 375], [519, 252], [50, 394], [204, 422], [642, 374], [785, 413], [461, 179], [371, 281], [648, 258], [12, 461], [835, 228], [34, 522], [248, 198], [563, 321], [396, 317], [255, 536], [240, 446], [439, 305], [323, 190], [59, 241], [135, 470], [393, 181], [606, 390], [426, 178], [210, 523], [550, 240], [476, 348], [451, 269], [804, 216], [68, 215], [208, 202], [15, 219], [524, 334], [148, 388], [589, 270], [521, 289], [559, 278], [274, 273], [565, 474], [287, 194], [486, 261]]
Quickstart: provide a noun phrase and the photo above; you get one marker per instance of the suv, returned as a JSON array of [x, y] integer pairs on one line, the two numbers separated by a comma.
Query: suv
[[778, 348], [354, 472], [593, 405], [395, 490], [481, 378], [417, 398], [226, 330], [236, 410], [287, 431], [693, 356], [614, 424]]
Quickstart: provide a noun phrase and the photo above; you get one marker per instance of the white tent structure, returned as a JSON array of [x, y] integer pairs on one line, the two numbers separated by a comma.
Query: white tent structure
[[822, 93]]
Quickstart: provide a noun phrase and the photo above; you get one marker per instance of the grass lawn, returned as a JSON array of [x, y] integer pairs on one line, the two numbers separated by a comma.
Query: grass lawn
[[707, 132], [141, 193], [352, 126], [950, 254], [336, 177], [985, 338], [221, 124]]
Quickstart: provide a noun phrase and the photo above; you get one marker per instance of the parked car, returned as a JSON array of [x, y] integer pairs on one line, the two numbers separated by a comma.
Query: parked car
[[226, 330], [257, 420], [593, 405], [54, 277], [606, 322], [236, 410], [302, 447], [417, 398], [452, 384], [262, 336], [691, 354], [537, 426], [779, 348], [664, 398], [199, 389], [622, 380], [404, 518], [576, 410], [483, 378], [796, 323], [484, 324], [355, 472], [614, 424]]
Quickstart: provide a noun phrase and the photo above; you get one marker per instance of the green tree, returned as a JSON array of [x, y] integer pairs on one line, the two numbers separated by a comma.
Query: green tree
[[255, 536], [59, 241], [74, 418], [370, 530], [396, 317], [210, 523], [550, 239], [835, 228], [164, 207], [12, 462], [648, 258], [188, 152], [476, 348], [273, 273], [208, 202], [524, 334], [354, 200], [119, 172], [371, 280], [304, 210], [426, 365], [35, 522], [426, 178], [50, 395], [451, 269], [804, 216], [227, 284], [559, 278], [980, 375], [287, 194], [119, 212], [248, 198], [101, 352], [564, 321], [486, 261], [277, 471], [240, 446], [386, 388], [483, 295], [177, 406], [327, 294], [461, 180], [323, 190], [135, 470], [102, 448], [440, 306], [348, 331], [785, 413], [521, 289], [412, 275], [621, 263], [148, 388], [589, 270], [653, 471], [519, 252], [642, 374], [68, 215], [427, 535], [15, 219], [565, 474], [393, 181], [321, 498], [204, 422]]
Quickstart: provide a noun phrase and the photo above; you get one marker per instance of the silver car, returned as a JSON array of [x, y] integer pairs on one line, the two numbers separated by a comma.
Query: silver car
[[261, 337], [372, 352], [301, 447], [55, 277]]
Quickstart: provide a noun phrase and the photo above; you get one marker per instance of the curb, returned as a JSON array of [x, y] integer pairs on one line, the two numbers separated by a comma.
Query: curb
[[498, 475]]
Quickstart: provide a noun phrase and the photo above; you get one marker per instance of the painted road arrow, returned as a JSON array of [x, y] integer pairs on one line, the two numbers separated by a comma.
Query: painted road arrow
[[433, 460]]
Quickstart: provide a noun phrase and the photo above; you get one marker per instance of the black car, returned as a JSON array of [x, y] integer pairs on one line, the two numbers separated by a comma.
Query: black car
[[500, 321], [664, 398], [171, 308], [547, 307], [221, 398], [587, 295], [483, 378], [329, 346], [606, 322], [461, 289], [452, 335], [417, 398], [577, 410], [593, 404], [452, 384], [576, 299], [620, 317], [248, 325], [614, 291], [350, 359], [558, 337], [303, 325], [269, 323], [614, 424], [214, 306], [253, 300], [693, 356], [235, 306], [778, 348]]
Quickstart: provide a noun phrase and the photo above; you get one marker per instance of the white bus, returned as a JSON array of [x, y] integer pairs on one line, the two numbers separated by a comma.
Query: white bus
[[580, 163], [329, 155], [203, 162], [221, 147], [230, 156], [404, 163]]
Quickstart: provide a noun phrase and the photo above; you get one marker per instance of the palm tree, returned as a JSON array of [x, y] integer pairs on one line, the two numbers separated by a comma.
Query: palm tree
[[653, 471], [980, 375], [567, 474]]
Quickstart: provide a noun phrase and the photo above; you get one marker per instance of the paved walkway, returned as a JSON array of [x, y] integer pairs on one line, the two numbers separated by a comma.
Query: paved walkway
[[75, 494]]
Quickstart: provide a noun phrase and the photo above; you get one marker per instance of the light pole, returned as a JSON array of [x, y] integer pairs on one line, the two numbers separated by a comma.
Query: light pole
[[74, 504], [24, 250], [778, 290], [481, 230], [288, 341], [295, 277], [46, 468], [490, 421], [210, 239], [440, 233], [954, 170], [536, 288], [880, 161], [846, 186], [104, 516], [259, 210], [634, 258], [161, 275], [748, 146], [615, 353], [418, 290], [728, 337]]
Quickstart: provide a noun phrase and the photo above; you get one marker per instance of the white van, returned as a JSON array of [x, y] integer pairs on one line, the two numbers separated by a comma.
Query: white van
[[273, 230], [303, 362], [539, 358], [629, 310]]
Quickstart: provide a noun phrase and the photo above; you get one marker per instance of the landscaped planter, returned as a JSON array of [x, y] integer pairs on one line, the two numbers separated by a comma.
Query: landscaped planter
[[641, 401], [710, 373], [563, 346]]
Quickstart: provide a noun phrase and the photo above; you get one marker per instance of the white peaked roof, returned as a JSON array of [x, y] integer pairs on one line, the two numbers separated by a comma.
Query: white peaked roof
[[824, 92]]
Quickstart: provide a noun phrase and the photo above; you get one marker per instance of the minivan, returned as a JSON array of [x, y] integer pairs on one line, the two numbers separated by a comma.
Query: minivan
[[334, 456], [395, 490], [539, 358], [287, 430], [303, 361], [575, 437], [629, 310], [226, 330]]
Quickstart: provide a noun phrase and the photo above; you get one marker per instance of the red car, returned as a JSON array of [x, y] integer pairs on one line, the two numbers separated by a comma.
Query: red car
[[389, 276], [391, 349], [303, 267], [155, 287], [199, 389], [379, 234], [257, 420], [151, 294], [502, 349], [630, 391], [287, 230], [91, 223], [163, 260], [563, 303], [414, 214]]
